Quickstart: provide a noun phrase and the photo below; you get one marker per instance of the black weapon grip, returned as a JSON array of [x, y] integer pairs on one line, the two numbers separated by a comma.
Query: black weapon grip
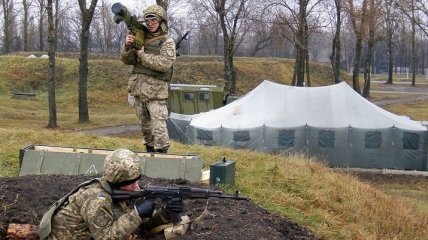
[[175, 217]]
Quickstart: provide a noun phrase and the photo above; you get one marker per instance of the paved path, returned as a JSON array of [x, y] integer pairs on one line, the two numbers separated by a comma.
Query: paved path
[[419, 97], [114, 130]]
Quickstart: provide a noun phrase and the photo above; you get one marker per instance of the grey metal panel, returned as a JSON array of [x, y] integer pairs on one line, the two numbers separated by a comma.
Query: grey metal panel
[[173, 168], [31, 162], [63, 160], [60, 163], [91, 163]]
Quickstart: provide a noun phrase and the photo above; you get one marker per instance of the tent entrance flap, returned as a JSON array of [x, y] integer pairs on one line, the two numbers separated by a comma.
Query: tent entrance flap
[[39, 159]]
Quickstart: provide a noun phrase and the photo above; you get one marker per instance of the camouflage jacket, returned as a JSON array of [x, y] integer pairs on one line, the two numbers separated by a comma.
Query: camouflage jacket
[[91, 214], [152, 69]]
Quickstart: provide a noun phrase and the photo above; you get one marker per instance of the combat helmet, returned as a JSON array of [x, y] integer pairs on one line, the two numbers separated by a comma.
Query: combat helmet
[[157, 11], [122, 167]]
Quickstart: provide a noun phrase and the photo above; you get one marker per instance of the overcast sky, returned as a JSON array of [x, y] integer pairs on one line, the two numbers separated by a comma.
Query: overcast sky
[[139, 5], [133, 4]]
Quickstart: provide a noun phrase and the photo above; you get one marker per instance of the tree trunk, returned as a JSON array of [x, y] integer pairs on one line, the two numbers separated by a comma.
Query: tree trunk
[[390, 62], [390, 50], [301, 45], [356, 72], [7, 11], [413, 45], [370, 51], [293, 79], [336, 48], [51, 81], [229, 37], [229, 75], [368, 66], [25, 25], [41, 11], [308, 77], [83, 76], [87, 15]]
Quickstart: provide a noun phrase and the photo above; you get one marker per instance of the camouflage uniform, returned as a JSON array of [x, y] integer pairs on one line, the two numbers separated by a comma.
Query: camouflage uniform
[[90, 212], [149, 82]]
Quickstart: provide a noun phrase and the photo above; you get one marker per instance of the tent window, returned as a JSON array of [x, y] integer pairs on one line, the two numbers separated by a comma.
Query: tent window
[[410, 141], [241, 138], [204, 96], [286, 138], [189, 96], [204, 134], [326, 138], [373, 139], [205, 137]]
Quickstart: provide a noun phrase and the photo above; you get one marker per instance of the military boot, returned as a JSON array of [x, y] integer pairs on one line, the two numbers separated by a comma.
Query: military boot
[[162, 150], [150, 149]]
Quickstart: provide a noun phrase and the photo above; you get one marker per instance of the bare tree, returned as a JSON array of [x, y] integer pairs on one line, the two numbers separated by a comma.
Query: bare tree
[[390, 29], [163, 3], [413, 20], [41, 7], [86, 14], [295, 17], [358, 18], [374, 16], [231, 16], [26, 8], [336, 45], [103, 27], [207, 27], [261, 29], [8, 18], [51, 81], [69, 29]]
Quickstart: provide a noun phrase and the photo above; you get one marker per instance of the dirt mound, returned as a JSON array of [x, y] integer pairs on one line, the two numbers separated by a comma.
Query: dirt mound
[[25, 199]]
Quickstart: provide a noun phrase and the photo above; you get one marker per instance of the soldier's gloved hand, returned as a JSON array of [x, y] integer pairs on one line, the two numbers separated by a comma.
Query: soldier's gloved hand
[[145, 209], [175, 205]]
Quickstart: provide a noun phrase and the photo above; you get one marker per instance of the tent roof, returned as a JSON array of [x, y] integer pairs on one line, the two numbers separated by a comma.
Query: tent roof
[[283, 106]]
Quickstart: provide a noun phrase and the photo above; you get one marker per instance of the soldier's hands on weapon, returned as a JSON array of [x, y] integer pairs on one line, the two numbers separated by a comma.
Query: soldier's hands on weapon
[[130, 39], [145, 209], [175, 205]]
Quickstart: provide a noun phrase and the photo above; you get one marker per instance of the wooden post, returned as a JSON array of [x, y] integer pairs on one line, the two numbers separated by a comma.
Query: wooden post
[[22, 231]]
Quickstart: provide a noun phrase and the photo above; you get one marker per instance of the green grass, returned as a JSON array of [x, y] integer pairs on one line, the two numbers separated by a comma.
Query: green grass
[[399, 78], [416, 111], [331, 204]]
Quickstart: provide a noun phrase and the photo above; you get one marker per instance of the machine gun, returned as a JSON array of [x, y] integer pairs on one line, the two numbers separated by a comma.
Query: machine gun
[[177, 46], [168, 193], [138, 29]]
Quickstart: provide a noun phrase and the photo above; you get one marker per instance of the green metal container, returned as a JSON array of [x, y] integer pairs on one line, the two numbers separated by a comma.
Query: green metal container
[[192, 99], [222, 172]]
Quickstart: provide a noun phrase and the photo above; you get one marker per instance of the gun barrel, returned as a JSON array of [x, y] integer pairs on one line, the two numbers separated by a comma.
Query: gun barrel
[[153, 192], [118, 8]]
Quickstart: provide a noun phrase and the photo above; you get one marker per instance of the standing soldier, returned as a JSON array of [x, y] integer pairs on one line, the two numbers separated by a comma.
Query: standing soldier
[[153, 67]]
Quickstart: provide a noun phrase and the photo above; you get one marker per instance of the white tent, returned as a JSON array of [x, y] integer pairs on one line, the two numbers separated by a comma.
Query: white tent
[[333, 122]]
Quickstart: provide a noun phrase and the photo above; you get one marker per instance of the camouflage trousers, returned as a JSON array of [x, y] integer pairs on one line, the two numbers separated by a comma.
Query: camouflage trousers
[[153, 116]]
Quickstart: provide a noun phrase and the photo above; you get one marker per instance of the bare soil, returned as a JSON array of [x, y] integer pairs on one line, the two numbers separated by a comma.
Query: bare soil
[[25, 199]]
